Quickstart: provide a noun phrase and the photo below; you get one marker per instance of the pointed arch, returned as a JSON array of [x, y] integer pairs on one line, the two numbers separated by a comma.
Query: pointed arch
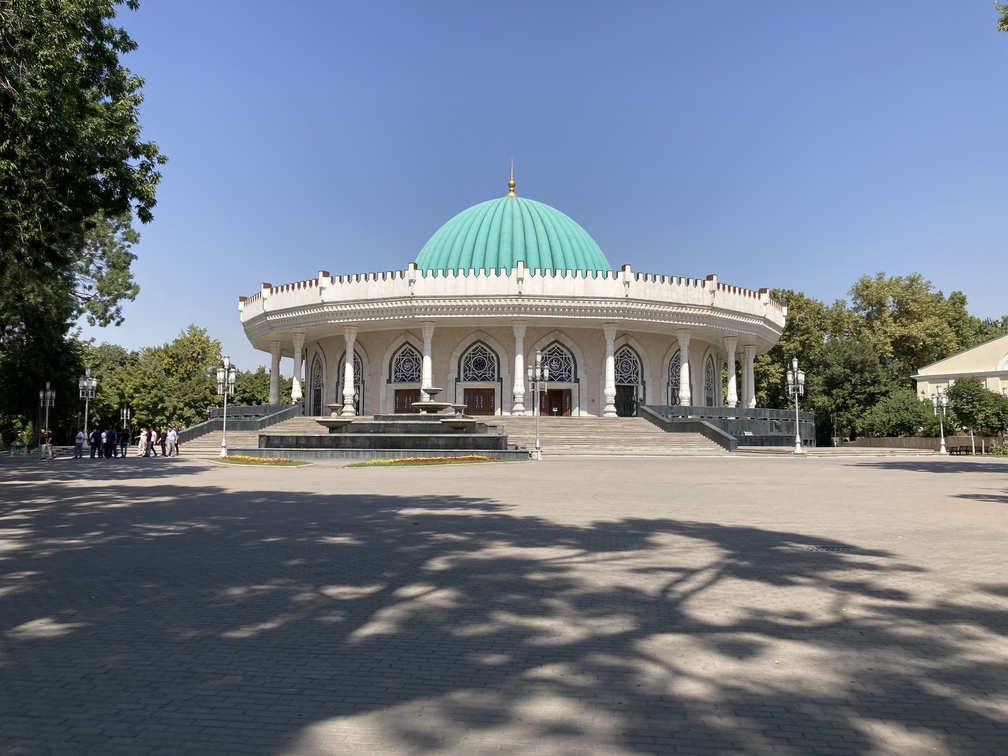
[[316, 385], [673, 377], [710, 383]]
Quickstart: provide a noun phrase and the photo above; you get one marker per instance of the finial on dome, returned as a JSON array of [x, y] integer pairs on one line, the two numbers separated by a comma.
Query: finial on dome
[[511, 182]]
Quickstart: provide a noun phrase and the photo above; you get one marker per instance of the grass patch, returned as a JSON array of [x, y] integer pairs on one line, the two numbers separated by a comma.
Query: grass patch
[[424, 461], [239, 459]]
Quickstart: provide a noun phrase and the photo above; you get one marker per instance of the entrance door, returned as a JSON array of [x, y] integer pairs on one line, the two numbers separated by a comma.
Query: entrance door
[[404, 399], [479, 401], [555, 402], [626, 401]]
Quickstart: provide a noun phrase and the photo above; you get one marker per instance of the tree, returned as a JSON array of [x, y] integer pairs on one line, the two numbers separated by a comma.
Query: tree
[[1002, 23], [71, 156], [903, 319], [176, 382], [102, 275], [252, 387], [976, 408], [900, 413]]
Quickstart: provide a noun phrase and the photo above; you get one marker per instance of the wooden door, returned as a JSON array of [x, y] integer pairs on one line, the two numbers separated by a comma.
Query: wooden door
[[479, 401], [555, 402], [404, 399]]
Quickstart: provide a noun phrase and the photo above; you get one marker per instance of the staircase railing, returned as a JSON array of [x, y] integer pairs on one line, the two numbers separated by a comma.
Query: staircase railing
[[241, 419], [689, 425]]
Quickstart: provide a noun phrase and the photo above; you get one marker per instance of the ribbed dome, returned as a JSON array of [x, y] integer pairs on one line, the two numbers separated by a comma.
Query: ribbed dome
[[498, 233]]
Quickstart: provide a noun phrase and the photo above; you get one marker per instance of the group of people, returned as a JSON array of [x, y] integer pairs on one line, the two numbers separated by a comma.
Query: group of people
[[148, 439], [105, 444], [112, 444]]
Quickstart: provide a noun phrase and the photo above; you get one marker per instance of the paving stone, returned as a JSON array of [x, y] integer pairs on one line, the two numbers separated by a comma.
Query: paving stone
[[576, 605]]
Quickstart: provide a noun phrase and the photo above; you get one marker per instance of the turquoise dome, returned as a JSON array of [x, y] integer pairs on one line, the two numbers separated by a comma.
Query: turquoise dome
[[497, 234]]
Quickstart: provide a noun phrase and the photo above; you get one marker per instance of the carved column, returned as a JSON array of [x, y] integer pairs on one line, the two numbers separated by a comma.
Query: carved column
[[296, 393], [609, 392], [426, 375], [685, 392], [731, 342], [750, 355], [274, 394], [350, 333], [518, 391]]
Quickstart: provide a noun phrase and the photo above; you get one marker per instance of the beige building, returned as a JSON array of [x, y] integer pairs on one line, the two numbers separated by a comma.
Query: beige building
[[987, 361]]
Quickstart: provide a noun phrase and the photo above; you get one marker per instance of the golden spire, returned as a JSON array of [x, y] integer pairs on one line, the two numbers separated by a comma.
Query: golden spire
[[511, 182]]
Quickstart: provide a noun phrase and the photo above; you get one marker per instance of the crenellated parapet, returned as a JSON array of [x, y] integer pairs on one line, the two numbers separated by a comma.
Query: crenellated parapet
[[612, 294]]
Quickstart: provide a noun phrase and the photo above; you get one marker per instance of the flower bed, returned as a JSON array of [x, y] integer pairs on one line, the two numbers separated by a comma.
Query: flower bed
[[419, 461]]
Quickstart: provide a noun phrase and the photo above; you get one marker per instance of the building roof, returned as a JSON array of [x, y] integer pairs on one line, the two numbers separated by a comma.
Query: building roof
[[496, 234]]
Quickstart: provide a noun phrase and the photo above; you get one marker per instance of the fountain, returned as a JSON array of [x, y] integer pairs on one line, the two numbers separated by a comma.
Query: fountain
[[428, 406]]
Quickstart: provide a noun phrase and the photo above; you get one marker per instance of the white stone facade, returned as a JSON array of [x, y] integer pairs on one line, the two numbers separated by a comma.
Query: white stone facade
[[617, 339]]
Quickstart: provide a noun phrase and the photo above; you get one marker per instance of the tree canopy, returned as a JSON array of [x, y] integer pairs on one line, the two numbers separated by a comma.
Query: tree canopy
[[74, 171]]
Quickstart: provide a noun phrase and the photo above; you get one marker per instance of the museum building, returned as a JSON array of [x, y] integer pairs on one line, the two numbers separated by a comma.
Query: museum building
[[498, 284]]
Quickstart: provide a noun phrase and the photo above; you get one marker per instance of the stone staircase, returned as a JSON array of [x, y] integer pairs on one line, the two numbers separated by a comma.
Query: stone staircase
[[209, 443], [560, 436], [627, 436]]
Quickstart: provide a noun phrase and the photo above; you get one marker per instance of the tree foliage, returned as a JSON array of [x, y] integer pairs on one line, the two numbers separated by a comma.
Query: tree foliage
[[901, 413], [1002, 23], [73, 171], [861, 354]]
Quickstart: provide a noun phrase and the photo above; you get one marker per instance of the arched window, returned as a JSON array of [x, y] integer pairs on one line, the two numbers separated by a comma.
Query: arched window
[[358, 381], [628, 368], [479, 364], [406, 365], [560, 363], [674, 368], [315, 387], [708, 382]]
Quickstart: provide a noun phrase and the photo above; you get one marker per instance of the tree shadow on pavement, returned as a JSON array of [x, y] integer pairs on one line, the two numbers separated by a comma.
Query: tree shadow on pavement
[[201, 620]]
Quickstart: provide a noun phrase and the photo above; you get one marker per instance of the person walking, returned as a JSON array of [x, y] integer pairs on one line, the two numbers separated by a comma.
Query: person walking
[[79, 445], [163, 441], [113, 444], [172, 438]]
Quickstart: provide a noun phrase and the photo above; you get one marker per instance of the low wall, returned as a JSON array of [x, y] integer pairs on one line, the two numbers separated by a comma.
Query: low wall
[[750, 427], [916, 442]]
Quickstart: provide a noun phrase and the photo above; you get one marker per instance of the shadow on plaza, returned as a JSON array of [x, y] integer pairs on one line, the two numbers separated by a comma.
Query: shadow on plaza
[[942, 465], [203, 619]]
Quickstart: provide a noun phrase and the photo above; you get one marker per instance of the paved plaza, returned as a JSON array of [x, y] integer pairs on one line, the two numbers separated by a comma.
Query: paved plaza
[[721, 605]]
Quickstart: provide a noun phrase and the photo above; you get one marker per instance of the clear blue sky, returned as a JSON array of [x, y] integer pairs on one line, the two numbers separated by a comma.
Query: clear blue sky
[[788, 144]]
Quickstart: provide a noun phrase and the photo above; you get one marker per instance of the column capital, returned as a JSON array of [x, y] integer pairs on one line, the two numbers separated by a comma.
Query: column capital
[[731, 343], [519, 327], [427, 329], [683, 334], [609, 329], [299, 339], [350, 332]]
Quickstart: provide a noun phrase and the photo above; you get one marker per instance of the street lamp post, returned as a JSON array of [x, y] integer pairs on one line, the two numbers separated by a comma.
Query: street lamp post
[[47, 398], [126, 413], [225, 386], [537, 375], [87, 386], [796, 388], [939, 401]]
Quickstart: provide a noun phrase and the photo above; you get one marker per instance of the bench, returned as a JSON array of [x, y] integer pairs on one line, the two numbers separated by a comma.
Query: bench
[[959, 449]]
